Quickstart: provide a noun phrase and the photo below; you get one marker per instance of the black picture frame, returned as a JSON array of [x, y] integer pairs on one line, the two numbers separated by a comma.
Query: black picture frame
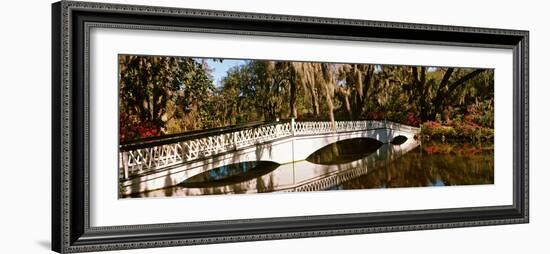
[[71, 231]]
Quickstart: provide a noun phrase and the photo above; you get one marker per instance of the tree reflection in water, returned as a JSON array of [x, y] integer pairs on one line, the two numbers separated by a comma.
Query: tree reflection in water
[[434, 164], [230, 174], [371, 164]]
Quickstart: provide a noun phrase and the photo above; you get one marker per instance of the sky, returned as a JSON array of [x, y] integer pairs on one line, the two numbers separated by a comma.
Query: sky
[[220, 69]]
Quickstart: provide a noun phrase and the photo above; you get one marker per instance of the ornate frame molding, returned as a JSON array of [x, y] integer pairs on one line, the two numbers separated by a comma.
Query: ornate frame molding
[[71, 23]]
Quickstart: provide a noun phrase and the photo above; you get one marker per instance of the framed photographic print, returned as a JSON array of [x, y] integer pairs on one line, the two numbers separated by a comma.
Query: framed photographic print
[[181, 126]]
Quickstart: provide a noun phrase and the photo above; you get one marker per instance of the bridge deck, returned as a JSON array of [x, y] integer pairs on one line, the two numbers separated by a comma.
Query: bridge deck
[[151, 155]]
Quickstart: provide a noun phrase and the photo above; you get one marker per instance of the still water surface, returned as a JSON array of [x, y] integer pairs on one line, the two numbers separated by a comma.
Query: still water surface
[[350, 164]]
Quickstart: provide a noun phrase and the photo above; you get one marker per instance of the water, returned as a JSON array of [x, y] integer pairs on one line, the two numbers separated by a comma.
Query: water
[[433, 164], [230, 174], [347, 165], [344, 151]]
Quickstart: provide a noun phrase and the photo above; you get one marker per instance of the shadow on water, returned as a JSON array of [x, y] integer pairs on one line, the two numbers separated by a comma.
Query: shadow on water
[[230, 174], [344, 151]]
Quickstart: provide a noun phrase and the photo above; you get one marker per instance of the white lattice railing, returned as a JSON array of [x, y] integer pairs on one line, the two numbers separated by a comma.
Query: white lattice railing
[[309, 128], [141, 160]]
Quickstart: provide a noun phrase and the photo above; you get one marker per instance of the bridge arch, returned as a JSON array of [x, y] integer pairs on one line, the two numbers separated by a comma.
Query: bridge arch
[[146, 166], [398, 140], [344, 151]]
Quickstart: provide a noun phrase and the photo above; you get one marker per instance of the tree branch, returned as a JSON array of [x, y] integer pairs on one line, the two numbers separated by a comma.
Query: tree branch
[[444, 81], [438, 100], [463, 80]]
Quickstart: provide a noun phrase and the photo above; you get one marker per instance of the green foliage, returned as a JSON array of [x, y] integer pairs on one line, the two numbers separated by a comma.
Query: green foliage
[[162, 95], [153, 90], [437, 130], [481, 113], [456, 130]]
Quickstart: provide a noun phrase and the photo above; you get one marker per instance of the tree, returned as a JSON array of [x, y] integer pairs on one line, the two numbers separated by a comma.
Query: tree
[[430, 91], [160, 95], [150, 86]]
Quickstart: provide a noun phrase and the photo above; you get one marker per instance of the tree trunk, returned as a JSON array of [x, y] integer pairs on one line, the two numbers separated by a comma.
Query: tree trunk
[[440, 98], [358, 98], [330, 106], [420, 83], [366, 86], [439, 93], [314, 100], [345, 95], [293, 112]]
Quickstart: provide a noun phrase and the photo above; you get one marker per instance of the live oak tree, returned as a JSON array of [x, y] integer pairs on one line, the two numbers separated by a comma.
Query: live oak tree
[[432, 92], [155, 89], [160, 95]]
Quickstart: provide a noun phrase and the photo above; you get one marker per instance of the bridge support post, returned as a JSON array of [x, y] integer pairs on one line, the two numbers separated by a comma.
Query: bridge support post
[[292, 123], [234, 137], [125, 164]]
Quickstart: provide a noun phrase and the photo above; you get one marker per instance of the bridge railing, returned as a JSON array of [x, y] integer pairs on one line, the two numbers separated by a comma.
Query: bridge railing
[[318, 127], [143, 157]]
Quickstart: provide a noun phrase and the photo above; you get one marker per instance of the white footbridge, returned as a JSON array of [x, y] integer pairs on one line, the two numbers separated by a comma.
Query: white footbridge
[[146, 165]]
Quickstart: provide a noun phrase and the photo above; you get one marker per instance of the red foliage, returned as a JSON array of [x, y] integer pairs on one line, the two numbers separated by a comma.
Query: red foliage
[[412, 119], [376, 115], [130, 130], [468, 151], [432, 124], [473, 125], [432, 149], [147, 129], [464, 149]]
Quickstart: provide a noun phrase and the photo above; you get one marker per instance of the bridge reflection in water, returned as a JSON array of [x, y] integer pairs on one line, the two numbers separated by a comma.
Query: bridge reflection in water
[[314, 174], [299, 148]]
